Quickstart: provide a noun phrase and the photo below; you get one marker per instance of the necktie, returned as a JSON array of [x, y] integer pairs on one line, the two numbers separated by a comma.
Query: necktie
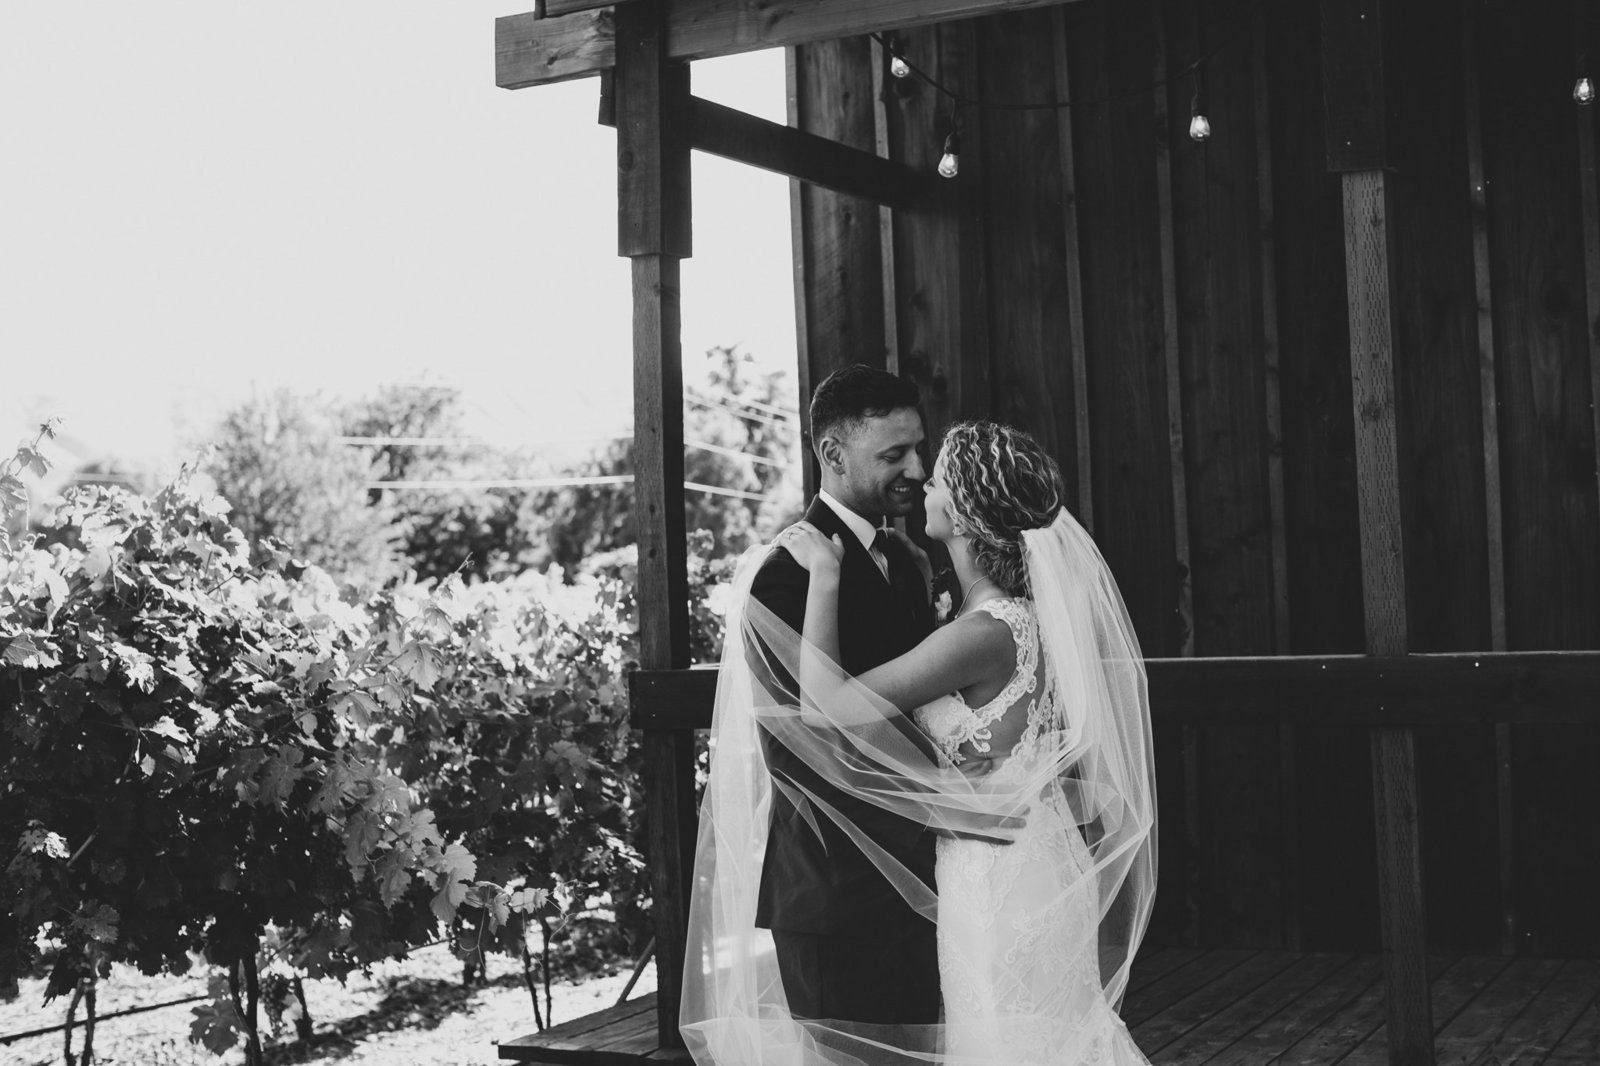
[[881, 556], [902, 574]]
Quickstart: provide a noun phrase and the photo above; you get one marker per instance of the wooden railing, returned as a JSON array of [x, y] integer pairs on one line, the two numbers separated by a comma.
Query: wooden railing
[[1391, 695]]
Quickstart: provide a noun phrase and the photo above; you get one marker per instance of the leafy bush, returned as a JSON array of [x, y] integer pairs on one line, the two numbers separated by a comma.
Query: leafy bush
[[218, 751]]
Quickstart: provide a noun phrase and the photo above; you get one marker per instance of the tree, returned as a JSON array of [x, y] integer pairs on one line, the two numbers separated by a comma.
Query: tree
[[278, 461], [480, 533], [741, 437]]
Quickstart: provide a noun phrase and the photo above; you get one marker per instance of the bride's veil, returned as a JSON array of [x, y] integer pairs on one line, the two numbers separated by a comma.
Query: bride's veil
[[1093, 758]]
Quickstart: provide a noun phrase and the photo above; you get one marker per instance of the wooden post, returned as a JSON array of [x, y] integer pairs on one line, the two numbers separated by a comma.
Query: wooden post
[[1172, 364], [1271, 385], [1352, 43], [1489, 408], [653, 227], [1077, 347], [839, 305]]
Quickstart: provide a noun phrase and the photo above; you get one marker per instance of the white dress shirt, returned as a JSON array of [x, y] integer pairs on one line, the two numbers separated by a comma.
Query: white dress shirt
[[865, 531]]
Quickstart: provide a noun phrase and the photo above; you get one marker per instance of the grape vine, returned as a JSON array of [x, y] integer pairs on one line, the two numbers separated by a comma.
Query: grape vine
[[206, 756]]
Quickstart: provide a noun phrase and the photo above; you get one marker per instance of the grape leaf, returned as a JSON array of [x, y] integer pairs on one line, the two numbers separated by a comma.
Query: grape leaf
[[420, 663], [529, 900], [25, 652], [34, 461], [99, 924], [216, 1025], [280, 774], [392, 876], [361, 832], [166, 727], [35, 839], [456, 868]]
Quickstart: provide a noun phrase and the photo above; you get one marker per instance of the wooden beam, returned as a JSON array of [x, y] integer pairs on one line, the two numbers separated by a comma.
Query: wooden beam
[[653, 173], [538, 51], [1404, 919], [1455, 688], [1353, 71], [651, 97], [1368, 282], [529, 50], [744, 138], [1368, 238], [758, 142], [557, 8]]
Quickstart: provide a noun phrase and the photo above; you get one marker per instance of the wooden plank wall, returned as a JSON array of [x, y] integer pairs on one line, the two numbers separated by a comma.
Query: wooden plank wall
[[1527, 60], [1169, 318]]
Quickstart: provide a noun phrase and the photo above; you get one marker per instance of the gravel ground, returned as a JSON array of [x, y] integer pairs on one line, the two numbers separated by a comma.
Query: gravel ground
[[407, 1012]]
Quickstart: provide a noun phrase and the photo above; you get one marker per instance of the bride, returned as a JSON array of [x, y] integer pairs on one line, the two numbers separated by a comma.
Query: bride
[[1038, 780]]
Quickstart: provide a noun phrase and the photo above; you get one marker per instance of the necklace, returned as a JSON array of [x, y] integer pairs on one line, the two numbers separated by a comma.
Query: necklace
[[966, 596]]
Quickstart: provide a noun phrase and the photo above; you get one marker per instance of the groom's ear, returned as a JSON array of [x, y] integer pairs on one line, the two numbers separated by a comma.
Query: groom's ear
[[831, 454]]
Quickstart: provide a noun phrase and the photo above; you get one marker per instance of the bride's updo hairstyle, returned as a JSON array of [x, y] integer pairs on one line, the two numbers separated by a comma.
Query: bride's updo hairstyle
[[1001, 482]]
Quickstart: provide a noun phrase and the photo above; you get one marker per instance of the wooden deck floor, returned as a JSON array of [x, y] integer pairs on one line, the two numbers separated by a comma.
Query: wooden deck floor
[[1246, 1008]]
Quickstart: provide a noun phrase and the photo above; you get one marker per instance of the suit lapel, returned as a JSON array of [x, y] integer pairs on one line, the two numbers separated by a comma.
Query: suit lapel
[[858, 565]]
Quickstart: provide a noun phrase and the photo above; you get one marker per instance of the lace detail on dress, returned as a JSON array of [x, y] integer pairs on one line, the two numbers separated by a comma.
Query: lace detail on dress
[[1018, 926], [951, 723]]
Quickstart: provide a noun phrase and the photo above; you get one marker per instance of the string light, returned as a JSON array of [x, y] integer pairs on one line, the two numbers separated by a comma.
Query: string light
[[1199, 125], [1583, 91], [890, 48], [898, 67], [950, 162]]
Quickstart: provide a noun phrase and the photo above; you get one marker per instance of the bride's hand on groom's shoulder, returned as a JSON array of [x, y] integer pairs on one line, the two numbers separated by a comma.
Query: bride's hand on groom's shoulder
[[809, 547]]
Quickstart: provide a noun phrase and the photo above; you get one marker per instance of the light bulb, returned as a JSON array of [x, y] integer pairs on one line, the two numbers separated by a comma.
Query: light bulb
[[1583, 91], [1199, 125], [950, 162], [898, 67]]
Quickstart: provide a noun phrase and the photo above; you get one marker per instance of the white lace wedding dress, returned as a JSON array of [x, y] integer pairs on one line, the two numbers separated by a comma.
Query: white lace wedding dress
[[1018, 923]]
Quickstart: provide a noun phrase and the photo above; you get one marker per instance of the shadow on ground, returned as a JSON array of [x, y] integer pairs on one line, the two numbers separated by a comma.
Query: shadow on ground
[[408, 1004]]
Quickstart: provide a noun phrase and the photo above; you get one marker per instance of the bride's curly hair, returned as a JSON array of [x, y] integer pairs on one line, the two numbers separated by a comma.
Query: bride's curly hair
[[1001, 482]]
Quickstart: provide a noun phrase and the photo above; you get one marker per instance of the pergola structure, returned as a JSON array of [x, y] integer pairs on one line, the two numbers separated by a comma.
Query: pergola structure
[[862, 297]]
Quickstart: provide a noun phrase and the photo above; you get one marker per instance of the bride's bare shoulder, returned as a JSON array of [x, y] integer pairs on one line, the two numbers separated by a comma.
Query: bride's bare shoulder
[[983, 631]]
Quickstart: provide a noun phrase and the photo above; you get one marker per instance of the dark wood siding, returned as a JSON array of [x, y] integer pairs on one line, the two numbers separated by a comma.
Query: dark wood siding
[[1215, 424]]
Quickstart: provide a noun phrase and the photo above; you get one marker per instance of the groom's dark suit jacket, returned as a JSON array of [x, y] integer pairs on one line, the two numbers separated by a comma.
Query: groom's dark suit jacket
[[824, 884]]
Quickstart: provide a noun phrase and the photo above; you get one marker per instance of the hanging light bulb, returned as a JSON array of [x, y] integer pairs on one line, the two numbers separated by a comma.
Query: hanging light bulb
[[1199, 125], [1583, 91], [950, 162], [898, 67]]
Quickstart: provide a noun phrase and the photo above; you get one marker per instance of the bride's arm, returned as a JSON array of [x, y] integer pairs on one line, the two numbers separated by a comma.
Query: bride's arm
[[975, 650], [967, 652]]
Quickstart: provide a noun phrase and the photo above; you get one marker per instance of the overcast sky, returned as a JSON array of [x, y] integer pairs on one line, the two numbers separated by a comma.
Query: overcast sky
[[198, 197]]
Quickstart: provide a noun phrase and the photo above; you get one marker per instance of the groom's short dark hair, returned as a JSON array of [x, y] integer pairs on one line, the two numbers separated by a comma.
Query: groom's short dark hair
[[854, 393]]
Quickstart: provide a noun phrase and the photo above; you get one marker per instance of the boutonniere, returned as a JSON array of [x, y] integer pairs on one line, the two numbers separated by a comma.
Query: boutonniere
[[941, 607]]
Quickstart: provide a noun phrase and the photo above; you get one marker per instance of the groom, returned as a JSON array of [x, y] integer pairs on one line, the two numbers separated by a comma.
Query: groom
[[848, 945]]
